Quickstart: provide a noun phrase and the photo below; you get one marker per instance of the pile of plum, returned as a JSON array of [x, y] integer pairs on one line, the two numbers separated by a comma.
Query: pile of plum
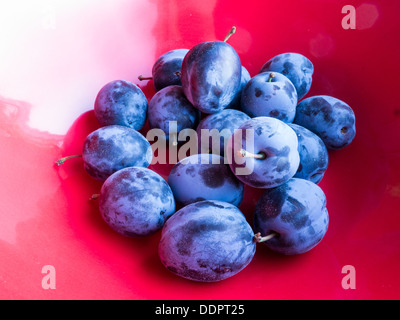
[[263, 136]]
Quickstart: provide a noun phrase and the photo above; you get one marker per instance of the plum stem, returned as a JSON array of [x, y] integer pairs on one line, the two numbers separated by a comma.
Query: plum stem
[[258, 238], [141, 78], [177, 73], [94, 196], [61, 161], [231, 32], [246, 154], [271, 76]]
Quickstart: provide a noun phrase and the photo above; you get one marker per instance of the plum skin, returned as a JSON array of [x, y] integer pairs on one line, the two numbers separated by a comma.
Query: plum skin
[[298, 68], [166, 69], [226, 122], [170, 104], [314, 157], [331, 119], [136, 201], [273, 138], [208, 179], [122, 103], [245, 77], [270, 94], [111, 148], [207, 241], [211, 76], [296, 211]]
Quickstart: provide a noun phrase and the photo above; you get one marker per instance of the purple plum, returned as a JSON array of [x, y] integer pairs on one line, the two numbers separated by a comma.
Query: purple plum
[[295, 214], [205, 177], [330, 118], [263, 152], [166, 70], [121, 103], [207, 241], [136, 201], [111, 148], [296, 67], [211, 75], [270, 94]]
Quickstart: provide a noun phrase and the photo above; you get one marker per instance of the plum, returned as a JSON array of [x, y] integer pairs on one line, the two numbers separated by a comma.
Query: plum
[[205, 177], [111, 148], [219, 127], [207, 241], [263, 152], [122, 103], [136, 201], [170, 104], [298, 68], [330, 118], [211, 76], [269, 94], [235, 104], [166, 70], [295, 213], [314, 156]]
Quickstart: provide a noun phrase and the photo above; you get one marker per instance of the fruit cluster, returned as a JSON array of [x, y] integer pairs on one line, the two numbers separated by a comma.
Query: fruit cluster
[[262, 137]]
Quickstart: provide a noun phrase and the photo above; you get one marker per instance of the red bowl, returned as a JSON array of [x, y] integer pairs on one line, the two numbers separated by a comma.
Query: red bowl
[[53, 242]]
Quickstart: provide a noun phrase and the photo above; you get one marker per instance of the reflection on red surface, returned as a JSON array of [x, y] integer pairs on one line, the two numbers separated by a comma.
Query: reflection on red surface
[[47, 219]]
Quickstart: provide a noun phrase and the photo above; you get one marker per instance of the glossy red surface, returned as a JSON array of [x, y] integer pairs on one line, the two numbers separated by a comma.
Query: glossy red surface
[[55, 57]]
